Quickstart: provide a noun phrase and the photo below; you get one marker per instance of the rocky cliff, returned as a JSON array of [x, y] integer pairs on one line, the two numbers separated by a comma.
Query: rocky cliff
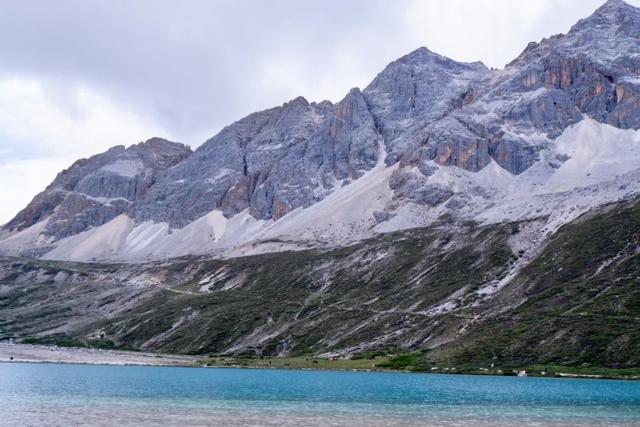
[[93, 191]]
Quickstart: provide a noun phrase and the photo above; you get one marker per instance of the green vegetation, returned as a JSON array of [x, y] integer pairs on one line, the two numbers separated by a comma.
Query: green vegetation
[[585, 371], [59, 341], [579, 301], [294, 363], [410, 362], [574, 307], [413, 362]]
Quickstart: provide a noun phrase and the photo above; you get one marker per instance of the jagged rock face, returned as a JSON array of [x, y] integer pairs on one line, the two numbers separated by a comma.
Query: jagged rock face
[[93, 191], [343, 147], [422, 108], [428, 107], [596, 65], [432, 108], [416, 91], [415, 188], [269, 162]]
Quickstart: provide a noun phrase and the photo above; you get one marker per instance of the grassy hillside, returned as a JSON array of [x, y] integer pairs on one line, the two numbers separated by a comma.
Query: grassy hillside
[[575, 301], [578, 301]]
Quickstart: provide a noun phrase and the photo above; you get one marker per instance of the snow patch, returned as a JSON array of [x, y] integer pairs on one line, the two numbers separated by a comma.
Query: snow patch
[[122, 167]]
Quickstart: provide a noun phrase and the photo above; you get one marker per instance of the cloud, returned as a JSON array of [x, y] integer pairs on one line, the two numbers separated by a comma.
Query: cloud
[[41, 135], [82, 76], [20, 180], [37, 123], [494, 31]]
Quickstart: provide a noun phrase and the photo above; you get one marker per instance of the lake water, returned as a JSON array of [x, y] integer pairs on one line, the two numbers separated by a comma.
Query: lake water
[[51, 394]]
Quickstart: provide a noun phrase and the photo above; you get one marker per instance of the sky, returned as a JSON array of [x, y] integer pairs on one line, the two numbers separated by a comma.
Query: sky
[[85, 75]]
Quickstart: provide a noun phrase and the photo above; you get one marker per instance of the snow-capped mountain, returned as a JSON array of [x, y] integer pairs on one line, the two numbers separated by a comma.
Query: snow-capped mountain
[[551, 136]]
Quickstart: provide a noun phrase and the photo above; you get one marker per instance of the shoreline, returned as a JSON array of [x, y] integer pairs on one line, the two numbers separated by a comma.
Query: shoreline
[[39, 353], [52, 354]]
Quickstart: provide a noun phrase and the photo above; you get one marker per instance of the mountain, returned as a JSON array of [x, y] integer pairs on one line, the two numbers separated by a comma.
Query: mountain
[[457, 294], [94, 191], [448, 208], [429, 136]]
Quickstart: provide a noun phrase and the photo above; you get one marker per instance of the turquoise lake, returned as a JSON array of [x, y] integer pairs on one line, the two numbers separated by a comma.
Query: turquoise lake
[[52, 395]]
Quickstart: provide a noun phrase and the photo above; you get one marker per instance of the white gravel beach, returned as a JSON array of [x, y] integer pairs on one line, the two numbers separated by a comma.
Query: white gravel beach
[[12, 352]]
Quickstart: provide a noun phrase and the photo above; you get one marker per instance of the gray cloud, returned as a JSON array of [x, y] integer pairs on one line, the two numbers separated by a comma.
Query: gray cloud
[[198, 65]]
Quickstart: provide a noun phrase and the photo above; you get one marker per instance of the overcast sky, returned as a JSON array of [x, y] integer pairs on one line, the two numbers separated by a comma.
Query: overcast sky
[[79, 76]]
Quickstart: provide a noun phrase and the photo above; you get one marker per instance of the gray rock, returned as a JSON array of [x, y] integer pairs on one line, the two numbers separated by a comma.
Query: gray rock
[[415, 91], [381, 216], [94, 191], [270, 162], [595, 64], [415, 188]]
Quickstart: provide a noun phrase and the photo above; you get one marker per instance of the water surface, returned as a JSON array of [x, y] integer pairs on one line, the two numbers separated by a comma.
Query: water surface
[[52, 394]]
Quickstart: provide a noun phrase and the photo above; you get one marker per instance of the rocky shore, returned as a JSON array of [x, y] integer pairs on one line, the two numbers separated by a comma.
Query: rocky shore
[[27, 353]]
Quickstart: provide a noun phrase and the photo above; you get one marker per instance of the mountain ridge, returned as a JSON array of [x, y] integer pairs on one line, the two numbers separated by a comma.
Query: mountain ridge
[[423, 112]]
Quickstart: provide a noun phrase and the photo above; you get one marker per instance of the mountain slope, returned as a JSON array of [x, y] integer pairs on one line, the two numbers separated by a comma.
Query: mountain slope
[[439, 291], [577, 302], [590, 164]]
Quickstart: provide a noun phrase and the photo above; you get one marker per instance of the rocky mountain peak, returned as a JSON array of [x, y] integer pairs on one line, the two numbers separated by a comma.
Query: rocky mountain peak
[[161, 144], [160, 153], [423, 114], [614, 8], [425, 57], [297, 101], [95, 190], [615, 17], [612, 30], [421, 55]]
